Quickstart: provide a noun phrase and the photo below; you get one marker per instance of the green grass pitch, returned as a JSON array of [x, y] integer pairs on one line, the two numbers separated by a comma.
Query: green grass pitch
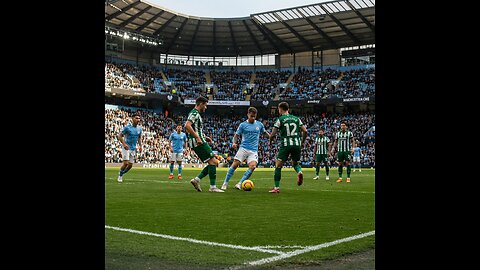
[[317, 212]]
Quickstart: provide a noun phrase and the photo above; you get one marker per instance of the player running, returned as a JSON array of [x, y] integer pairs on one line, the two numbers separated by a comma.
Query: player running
[[177, 140]]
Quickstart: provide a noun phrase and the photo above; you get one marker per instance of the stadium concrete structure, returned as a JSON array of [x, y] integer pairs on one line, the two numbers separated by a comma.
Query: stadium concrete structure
[[311, 37]]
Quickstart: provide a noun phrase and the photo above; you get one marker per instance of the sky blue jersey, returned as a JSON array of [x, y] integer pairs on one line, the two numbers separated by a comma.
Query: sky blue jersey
[[356, 151], [131, 135], [250, 134], [178, 141]]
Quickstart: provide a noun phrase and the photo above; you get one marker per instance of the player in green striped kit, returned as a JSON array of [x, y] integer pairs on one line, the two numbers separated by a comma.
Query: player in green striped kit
[[345, 142], [199, 144], [322, 150], [290, 143]]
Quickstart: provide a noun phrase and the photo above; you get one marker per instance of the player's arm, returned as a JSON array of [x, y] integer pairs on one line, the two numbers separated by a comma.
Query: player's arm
[[170, 138], [330, 148], [334, 144], [314, 149], [120, 138], [235, 141], [189, 128], [272, 135], [353, 144], [139, 142], [304, 134]]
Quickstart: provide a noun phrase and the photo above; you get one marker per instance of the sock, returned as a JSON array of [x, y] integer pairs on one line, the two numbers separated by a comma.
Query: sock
[[203, 173], [122, 172], [171, 168], [348, 171], [298, 168], [245, 176], [326, 169], [340, 171], [126, 170], [317, 169], [229, 175], [212, 173], [213, 186], [179, 169], [277, 176]]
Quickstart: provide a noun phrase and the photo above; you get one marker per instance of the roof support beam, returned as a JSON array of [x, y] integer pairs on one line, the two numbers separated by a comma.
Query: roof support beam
[[160, 29], [233, 37], [372, 27], [266, 35], [252, 36], [268, 32], [141, 27], [118, 12], [193, 37], [320, 31], [302, 39], [132, 18], [177, 34], [355, 39]]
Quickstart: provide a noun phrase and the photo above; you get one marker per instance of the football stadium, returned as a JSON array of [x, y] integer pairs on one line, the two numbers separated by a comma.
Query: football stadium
[[274, 111]]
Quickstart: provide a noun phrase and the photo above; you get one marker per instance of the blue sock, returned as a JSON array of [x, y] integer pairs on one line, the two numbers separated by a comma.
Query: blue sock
[[179, 169], [245, 176], [229, 174], [122, 172], [171, 168]]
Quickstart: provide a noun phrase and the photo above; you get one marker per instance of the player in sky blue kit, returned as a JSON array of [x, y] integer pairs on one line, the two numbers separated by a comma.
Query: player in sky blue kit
[[133, 135], [357, 152], [177, 140], [250, 131]]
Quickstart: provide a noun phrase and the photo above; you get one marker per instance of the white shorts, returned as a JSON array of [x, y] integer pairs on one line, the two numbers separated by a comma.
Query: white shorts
[[356, 159], [128, 155], [244, 154], [176, 157]]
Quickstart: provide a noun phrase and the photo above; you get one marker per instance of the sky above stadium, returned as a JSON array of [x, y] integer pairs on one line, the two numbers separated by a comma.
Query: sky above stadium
[[229, 8]]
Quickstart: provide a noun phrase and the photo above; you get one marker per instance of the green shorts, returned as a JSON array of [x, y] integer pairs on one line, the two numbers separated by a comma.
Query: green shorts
[[321, 157], [343, 156], [285, 151], [204, 152]]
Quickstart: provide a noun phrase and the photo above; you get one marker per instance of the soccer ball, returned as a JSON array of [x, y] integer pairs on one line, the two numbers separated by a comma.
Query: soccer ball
[[247, 185], [174, 91]]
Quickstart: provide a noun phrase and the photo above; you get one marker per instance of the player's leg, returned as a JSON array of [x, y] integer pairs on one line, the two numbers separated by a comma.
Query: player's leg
[[123, 169], [204, 153], [179, 162], [317, 166], [349, 169], [252, 161], [340, 158], [212, 174], [230, 173], [327, 169], [295, 152], [278, 173], [252, 165], [172, 163]]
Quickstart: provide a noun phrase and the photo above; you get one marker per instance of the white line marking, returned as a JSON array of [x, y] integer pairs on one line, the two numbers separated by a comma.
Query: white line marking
[[280, 246], [195, 240], [308, 249]]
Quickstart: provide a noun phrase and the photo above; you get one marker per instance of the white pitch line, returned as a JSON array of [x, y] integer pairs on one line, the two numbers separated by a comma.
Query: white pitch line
[[195, 240], [308, 249], [280, 246]]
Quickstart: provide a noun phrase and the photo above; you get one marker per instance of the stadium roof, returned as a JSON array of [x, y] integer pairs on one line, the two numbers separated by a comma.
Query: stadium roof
[[322, 26]]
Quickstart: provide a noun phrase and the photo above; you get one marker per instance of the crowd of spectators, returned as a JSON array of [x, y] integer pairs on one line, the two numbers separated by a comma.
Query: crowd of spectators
[[157, 128], [233, 85]]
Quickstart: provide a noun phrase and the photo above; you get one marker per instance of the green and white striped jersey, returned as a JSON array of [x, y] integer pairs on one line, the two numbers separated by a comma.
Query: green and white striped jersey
[[344, 141], [289, 126], [197, 125], [322, 145]]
